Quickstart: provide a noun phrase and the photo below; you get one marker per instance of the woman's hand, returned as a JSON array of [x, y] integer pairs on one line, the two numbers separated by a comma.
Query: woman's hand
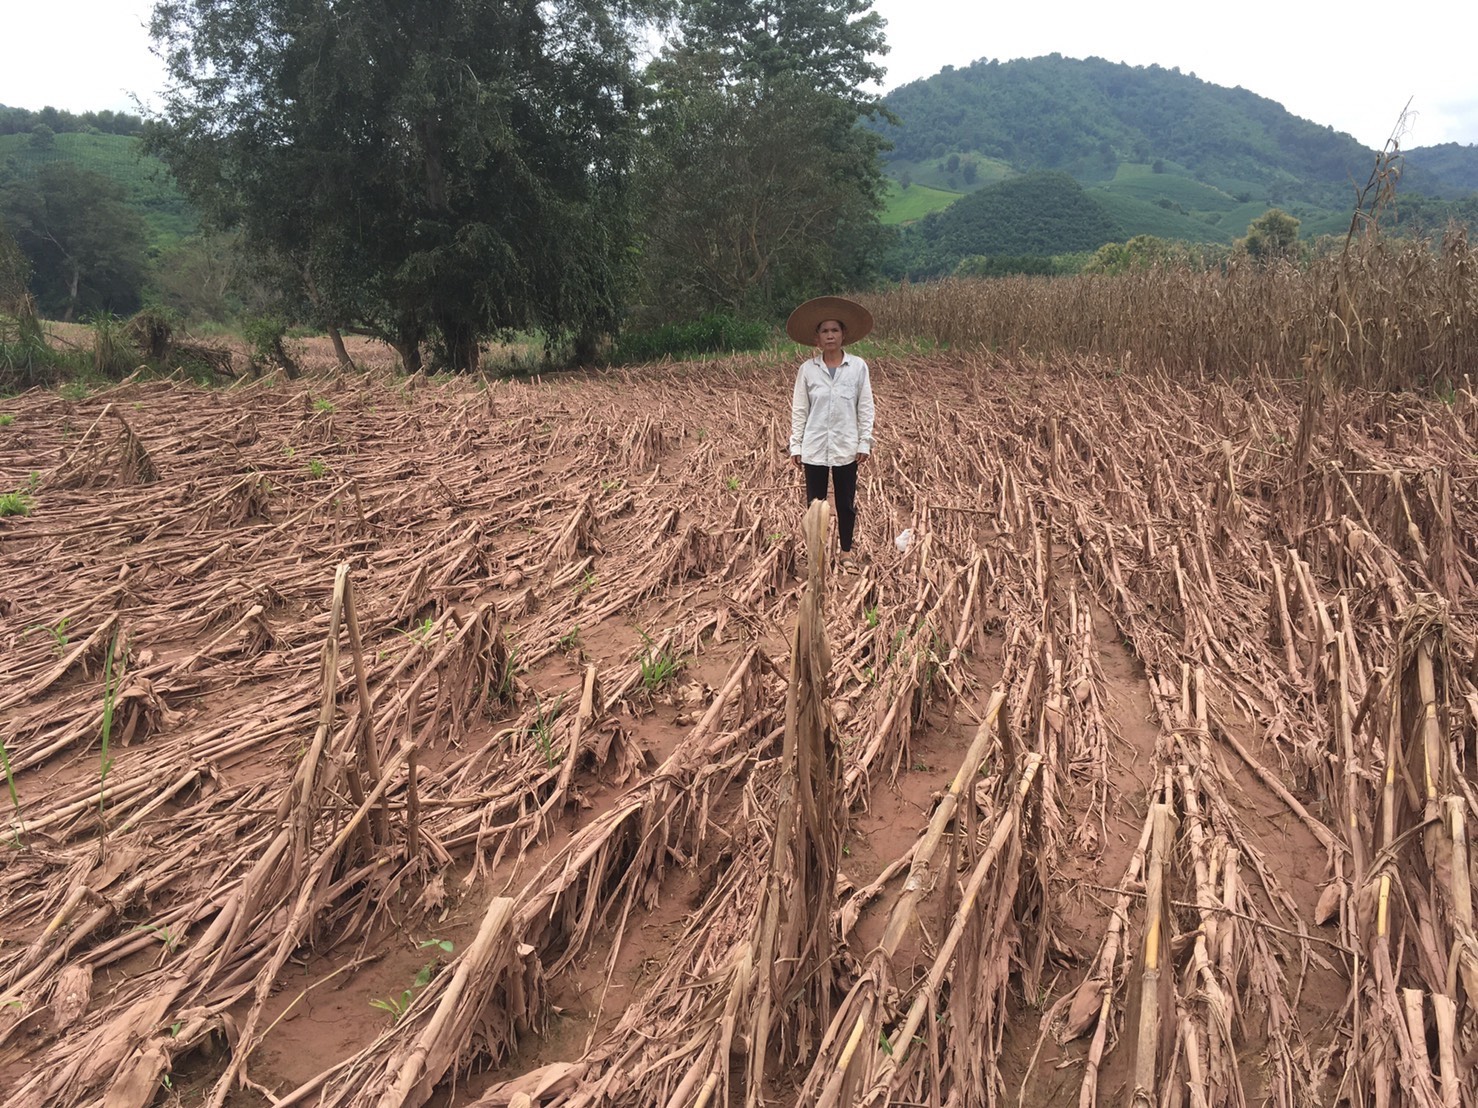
[[795, 460], [861, 458]]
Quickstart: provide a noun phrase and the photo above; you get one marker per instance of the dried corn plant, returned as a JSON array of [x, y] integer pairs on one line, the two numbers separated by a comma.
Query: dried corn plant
[[1145, 770], [1404, 316]]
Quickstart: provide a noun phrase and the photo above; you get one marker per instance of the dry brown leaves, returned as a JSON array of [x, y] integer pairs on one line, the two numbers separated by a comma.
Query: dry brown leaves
[[1186, 710]]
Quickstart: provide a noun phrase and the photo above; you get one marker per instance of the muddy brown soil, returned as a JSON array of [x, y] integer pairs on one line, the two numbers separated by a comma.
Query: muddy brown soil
[[377, 741]]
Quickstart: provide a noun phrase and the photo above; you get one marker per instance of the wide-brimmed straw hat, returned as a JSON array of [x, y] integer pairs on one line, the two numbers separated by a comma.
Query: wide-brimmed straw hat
[[856, 320]]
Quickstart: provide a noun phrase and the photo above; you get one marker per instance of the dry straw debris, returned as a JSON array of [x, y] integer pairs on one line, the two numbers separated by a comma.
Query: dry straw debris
[[1144, 775]]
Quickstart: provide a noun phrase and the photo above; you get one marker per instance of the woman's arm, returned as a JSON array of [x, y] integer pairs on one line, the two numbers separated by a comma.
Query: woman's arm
[[800, 411], [864, 413]]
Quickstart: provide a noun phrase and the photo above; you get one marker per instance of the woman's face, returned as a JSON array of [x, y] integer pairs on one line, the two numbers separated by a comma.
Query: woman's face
[[829, 335]]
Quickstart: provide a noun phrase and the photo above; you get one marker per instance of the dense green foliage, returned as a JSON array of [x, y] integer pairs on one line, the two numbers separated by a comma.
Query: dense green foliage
[[711, 334], [1041, 213], [431, 172], [758, 186], [1146, 251], [828, 45], [1271, 237], [15, 270], [1448, 170], [1010, 265], [23, 121], [147, 187], [1084, 117], [85, 245], [752, 197], [1429, 218]]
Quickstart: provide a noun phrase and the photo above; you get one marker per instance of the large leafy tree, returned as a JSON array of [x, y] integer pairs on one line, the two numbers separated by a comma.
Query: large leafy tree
[[758, 185], [426, 170], [830, 45], [84, 245]]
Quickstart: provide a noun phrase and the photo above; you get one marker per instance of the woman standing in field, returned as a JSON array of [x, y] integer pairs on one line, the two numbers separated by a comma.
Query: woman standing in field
[[831, 406]]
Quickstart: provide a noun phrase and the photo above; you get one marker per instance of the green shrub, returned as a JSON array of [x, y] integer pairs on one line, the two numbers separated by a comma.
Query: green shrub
[[15, 504], [113, 354], [712, 334], [25, 357], [265, 334], [152, 331]]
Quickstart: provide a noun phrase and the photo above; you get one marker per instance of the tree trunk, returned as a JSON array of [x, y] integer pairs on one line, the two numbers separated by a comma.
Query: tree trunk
[[72, 293], [408, 346], [345, 362], [587, 345], [285, 360], [460, 336], [311, 286]]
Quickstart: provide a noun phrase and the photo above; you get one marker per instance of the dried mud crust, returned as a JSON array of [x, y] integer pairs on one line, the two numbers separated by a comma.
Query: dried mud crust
[[448, 751]]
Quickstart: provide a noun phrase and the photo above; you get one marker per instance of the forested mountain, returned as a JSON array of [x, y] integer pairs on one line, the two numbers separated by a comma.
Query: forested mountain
[[1448, 170], [1155, 151], [1086, 117]]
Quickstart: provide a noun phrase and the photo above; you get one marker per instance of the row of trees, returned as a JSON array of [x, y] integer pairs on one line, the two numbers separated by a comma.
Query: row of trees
[[15, 121], [437, 172]]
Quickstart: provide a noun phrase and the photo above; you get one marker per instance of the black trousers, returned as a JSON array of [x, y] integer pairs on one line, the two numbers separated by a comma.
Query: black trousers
[[844, 479]]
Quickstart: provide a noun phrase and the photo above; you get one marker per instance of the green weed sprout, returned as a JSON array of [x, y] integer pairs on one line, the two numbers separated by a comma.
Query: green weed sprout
[[419, 632], [15, 798], [105, 760], [59, 637], [503, 691], [317, 468], [543, 729], [396, 1006], [15, 504], [657, 667], [170, 940]]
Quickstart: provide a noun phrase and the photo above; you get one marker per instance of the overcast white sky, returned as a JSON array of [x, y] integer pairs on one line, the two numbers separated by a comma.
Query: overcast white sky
[[1352, 64]]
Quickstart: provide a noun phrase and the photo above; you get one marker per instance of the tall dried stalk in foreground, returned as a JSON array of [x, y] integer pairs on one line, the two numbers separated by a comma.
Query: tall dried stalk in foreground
[[793, 946]]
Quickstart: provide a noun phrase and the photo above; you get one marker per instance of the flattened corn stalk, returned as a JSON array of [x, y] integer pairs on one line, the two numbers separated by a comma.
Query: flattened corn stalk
[[1173, 614]]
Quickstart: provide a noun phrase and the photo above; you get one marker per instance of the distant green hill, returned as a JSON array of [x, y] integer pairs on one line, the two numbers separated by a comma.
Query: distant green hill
[[1448, 170], [147, 185], [1085, 117], [1035, 214], [1162, 153]]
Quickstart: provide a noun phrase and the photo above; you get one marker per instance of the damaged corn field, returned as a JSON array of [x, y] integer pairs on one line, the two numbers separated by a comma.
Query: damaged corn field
[[384, 743]]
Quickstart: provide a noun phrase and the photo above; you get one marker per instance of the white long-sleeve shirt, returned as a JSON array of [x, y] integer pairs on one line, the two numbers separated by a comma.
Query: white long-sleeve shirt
[[831, 412]]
